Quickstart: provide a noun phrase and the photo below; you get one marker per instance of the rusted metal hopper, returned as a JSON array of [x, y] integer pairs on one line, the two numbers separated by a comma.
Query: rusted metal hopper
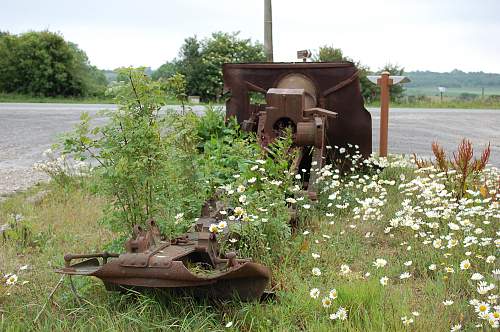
[[321, 102], [190, 264]]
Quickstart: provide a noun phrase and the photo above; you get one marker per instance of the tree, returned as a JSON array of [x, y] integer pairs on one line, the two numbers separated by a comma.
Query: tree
[[43, 63], [165, 71], [190, 64], [201, 62], [225, 48], [331, 54]]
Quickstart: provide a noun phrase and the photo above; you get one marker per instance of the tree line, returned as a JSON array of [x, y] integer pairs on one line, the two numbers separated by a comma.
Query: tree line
[[45, 64], [200, 63], [454, 79]]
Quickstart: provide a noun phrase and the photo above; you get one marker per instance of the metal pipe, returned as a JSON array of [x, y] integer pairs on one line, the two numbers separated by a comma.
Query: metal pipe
[[268, 30]]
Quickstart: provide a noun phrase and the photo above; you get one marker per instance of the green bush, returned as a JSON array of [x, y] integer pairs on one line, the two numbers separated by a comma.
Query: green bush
[[44, 64], [140, 164], [200, 61]]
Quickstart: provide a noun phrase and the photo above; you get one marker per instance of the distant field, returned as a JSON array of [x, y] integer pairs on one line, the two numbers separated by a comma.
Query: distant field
[[451, 92]]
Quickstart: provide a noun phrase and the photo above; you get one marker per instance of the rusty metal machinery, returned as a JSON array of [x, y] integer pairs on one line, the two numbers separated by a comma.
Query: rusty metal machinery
[[321, 102], [191, 263]]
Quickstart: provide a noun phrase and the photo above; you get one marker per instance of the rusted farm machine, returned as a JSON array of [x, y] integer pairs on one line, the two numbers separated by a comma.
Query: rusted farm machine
[[321, 102], [323, 106]]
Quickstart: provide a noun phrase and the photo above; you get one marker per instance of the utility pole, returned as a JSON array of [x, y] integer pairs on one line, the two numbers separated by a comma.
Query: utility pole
[[268, 30]]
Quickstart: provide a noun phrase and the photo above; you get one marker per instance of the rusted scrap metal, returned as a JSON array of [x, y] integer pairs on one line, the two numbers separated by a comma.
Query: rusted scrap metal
[[321, 102], [331, 86], [190, 263]]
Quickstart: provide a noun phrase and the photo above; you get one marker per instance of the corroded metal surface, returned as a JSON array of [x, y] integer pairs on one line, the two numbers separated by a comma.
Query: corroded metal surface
[[331, 86], [191, 263], [320, 102]]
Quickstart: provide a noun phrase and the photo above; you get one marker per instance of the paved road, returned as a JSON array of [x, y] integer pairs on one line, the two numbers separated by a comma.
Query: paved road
[[26, 130]]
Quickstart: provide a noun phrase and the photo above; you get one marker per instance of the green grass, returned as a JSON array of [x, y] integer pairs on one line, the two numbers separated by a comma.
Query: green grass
[[434, 103], [67, 221], [19, 98], [451, 92], [446, 103]]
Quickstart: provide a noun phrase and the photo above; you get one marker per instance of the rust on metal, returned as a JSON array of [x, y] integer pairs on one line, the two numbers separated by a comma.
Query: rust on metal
[[190, 263], [320, 102], [322, 105]]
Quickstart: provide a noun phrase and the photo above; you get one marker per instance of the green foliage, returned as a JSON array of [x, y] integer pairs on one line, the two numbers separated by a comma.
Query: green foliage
[[189, 64], [44, 64], [378, 223], [200, 61], [212, 125], [327, 53], [176, 87], [136, 162], [165, 71], [224, 48]]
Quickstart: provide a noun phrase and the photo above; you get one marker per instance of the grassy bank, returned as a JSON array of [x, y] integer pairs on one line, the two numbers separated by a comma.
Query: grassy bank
[[476, 104], [389, 244], [453, 104], [343, 244], [16, 98]]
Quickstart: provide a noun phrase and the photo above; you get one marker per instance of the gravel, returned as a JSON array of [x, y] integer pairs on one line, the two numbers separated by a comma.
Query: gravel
[[26, 130]]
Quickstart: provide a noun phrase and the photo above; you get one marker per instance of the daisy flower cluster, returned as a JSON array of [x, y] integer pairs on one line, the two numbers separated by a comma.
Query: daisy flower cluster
[[9, 281], [58, 166], [259, 202], [461, 231], [327, 301]]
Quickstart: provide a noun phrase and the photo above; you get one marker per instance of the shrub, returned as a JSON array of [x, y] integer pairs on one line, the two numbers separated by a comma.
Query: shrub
[[134, 155], [44, 64]]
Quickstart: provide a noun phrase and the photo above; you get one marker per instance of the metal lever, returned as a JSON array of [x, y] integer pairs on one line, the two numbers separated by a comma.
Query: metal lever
[[105, 255], [320, 111]]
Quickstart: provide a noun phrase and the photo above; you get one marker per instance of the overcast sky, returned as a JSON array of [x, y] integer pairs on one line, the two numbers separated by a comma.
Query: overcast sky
[[437, 35]]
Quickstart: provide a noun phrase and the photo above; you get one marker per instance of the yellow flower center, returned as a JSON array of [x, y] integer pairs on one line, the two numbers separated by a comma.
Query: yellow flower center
[[482, 308]]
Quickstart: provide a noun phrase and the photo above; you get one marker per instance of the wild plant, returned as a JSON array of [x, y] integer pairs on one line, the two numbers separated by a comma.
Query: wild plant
[[462, 170], [134, 154], [61, 169], [259, 199]]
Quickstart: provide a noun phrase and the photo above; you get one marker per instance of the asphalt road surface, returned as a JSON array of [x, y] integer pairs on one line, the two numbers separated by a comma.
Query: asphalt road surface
[[26, 130]]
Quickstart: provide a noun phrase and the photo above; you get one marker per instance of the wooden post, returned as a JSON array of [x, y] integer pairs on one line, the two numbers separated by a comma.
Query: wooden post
[[384, 82]]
